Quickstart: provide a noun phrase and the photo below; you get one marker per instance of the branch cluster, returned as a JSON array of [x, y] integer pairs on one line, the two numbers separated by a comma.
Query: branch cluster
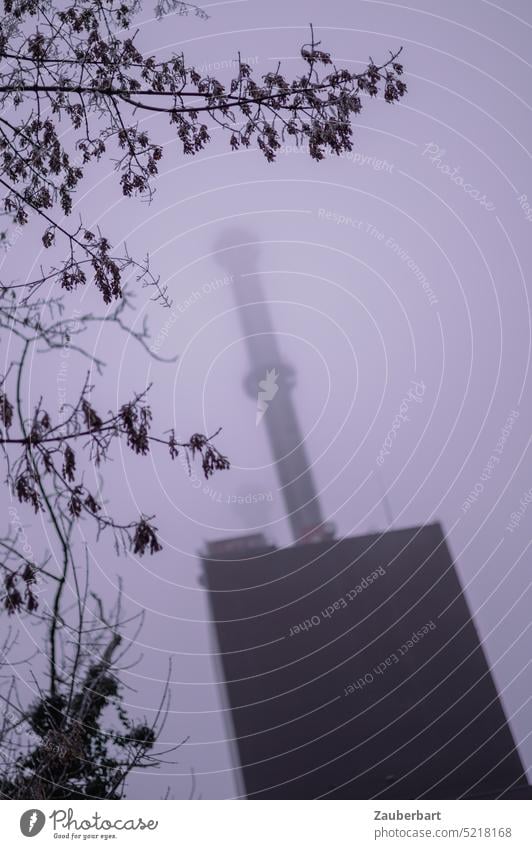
[[78, 67], [46, 468]]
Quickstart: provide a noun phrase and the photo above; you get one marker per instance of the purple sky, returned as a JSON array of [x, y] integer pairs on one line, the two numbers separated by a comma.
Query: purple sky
[[405, 262]]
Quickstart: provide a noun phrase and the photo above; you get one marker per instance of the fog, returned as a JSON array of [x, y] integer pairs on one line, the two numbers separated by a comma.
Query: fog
[[396, 279]]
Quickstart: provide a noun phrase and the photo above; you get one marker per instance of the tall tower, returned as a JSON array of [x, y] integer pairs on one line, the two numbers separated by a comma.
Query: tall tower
[[270, 382], [353, 668]]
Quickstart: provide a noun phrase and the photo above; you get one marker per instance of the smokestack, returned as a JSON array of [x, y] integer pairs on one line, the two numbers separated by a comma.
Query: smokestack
[[270, 382]]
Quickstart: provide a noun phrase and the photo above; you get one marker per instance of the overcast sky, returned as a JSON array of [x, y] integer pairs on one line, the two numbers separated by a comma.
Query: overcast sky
[[402, 265]]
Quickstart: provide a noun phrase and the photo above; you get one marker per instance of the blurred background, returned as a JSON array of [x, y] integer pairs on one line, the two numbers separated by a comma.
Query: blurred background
[[399, 268]]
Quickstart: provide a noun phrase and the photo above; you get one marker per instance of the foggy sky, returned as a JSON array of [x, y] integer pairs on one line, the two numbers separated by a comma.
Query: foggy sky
[[350, 249]]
